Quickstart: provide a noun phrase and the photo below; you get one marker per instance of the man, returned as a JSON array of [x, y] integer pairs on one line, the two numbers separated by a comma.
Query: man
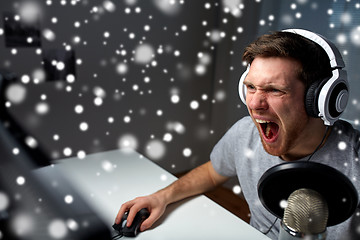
[[282, 67]]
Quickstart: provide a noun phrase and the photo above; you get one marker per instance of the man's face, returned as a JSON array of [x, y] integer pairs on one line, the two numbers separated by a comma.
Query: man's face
[[275, 100]]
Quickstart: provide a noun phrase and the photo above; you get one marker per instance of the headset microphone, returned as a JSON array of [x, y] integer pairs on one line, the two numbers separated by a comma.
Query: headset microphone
[[325, 98]]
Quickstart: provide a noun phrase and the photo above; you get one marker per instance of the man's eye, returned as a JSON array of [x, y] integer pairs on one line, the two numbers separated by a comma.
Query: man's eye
[[250, 87], [276, 91]]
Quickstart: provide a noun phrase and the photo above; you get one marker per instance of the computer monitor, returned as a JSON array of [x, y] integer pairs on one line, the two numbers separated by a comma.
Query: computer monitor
[[35, 204]]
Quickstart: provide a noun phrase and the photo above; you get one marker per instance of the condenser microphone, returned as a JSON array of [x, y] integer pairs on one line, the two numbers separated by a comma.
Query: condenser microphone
[[305, 216], [336, 191]]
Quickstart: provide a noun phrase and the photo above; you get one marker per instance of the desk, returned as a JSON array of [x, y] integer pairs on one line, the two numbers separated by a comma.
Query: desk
[[108, 179]]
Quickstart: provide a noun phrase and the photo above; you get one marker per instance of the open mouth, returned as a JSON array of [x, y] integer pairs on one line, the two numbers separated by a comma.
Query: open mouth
[[269, 129]]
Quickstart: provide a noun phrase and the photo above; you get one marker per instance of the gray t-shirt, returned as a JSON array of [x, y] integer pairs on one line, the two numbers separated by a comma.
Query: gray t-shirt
[[240, 153]]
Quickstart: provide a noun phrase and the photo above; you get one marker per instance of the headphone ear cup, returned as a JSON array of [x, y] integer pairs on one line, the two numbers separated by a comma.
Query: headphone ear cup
[[337, 99], [311, 99], [328, 98], [241, 88]]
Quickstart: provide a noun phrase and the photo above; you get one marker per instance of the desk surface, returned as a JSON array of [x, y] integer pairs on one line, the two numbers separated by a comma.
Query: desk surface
[[106, 180]]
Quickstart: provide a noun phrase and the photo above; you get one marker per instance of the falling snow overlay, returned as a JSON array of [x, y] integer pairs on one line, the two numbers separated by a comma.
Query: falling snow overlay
[[158, 76]]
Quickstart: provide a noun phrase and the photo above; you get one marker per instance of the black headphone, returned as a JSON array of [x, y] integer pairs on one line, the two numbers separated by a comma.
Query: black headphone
[[326, 98]]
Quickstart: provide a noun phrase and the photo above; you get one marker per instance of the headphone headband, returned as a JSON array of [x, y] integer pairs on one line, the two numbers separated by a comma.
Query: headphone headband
[[331, 50]]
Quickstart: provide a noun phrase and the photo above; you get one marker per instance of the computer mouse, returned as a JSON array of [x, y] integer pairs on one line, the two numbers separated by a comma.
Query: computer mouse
[[134, 229]]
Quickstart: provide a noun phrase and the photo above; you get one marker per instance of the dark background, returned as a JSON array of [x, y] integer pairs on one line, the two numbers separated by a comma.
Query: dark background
[[191, 53]]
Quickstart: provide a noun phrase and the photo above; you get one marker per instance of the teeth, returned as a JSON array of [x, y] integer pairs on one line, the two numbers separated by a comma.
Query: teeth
[[267, 131], [261, 121]]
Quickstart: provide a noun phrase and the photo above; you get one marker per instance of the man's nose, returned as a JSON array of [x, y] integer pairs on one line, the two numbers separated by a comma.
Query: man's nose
[[257, 100]]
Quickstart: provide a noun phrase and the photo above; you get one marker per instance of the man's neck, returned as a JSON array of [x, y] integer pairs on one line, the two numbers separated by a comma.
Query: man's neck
[[315, 139]]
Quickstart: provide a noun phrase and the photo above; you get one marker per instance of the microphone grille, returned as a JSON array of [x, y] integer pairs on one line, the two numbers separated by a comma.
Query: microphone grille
[[306, 212]]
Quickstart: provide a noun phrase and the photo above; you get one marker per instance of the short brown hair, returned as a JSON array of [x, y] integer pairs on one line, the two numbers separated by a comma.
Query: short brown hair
[[313, 58]]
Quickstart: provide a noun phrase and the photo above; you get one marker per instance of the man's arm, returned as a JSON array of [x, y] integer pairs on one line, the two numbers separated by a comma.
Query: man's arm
[[197, 181]]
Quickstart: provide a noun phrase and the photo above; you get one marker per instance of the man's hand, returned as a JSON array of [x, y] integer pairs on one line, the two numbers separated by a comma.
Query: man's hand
[[197, 181], [154, 203]]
